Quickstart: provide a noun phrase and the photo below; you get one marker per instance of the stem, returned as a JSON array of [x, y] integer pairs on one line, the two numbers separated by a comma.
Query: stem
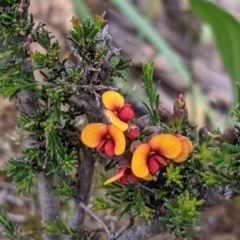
[[129, 224], [49, 202], [98, 220], [84, 183], [144, 231]]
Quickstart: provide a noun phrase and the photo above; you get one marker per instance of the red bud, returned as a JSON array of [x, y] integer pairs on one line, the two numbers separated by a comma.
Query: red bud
[[133, 131]]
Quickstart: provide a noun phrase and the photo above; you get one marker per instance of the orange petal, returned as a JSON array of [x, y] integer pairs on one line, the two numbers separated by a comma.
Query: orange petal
[[139, 160], [166, 144], [93, 133], [117, 176], [115, 120], [190, 146], [112, 100], [187, 148], [118, 139], [148, 177], [185, 139]]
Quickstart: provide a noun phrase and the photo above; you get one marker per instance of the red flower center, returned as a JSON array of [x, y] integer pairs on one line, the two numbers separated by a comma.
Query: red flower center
[[128, 173], [106, 146], [153, 163]]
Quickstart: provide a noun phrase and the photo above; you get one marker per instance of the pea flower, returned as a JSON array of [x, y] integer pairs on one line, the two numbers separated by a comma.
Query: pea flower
[[122, 175], [118, 112], [107, 139], [148, 156]]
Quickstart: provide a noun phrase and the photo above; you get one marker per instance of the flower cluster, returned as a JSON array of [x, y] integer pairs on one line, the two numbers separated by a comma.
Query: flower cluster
[[143, 150]]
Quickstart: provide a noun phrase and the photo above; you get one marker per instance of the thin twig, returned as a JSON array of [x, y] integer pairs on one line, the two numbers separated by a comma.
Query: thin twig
[[129, 224], [98, 220], [145, 188]]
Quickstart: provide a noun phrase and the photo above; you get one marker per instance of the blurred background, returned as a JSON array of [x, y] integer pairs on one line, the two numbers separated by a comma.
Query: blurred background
[[180, 35]]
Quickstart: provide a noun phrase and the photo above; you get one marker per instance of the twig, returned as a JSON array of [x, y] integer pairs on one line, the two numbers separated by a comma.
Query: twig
[[143, 230], [145, 188], [83, 185], [98, 220], [75, 52], [18, 218], [129, 224]]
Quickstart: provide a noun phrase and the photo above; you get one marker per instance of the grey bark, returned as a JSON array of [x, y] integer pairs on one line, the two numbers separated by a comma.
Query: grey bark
[[49, 202]]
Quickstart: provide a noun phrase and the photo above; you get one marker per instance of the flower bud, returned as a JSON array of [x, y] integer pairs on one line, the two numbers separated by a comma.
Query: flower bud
[[148, 138], [154, 130], [180, 101], [229, 134], [134, 145], [143, 121], [179, 110], [126, 113], [133, 131], [165, 115]]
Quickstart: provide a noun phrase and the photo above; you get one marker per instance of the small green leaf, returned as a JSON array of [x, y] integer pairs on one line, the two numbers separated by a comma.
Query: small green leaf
[[124, 211]]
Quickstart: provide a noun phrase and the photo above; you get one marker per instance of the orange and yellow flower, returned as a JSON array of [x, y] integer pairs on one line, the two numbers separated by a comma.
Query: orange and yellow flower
[[107, 139], [118, 112], [148, 157]]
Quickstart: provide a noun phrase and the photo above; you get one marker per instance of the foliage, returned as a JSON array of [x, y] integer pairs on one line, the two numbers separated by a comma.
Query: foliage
[[123, 200], [151, 90], [160, 174], [57, 227], [12, 232]]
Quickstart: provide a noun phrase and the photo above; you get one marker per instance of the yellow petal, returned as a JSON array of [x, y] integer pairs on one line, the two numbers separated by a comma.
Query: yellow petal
[[166, 144], [93, 133], [115, 120], [187, 148], [117, 176], [148, 177], [139, 160], [190, 146], [118, 138], [112, 100]]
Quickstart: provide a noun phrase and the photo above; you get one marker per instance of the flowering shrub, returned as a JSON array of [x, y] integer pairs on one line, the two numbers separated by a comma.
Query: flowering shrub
[[152, 152], [165, 174]]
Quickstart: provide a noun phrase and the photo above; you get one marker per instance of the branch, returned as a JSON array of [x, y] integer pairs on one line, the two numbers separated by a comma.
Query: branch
[[129, 224], [212, 196], [143, 230], [29, 105], [84, 183], [98, 220], [49, 202], [215, 195]]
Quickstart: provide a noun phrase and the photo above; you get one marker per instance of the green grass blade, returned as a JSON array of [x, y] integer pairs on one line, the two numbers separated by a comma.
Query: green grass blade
[[82, 9], [226, 30]]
